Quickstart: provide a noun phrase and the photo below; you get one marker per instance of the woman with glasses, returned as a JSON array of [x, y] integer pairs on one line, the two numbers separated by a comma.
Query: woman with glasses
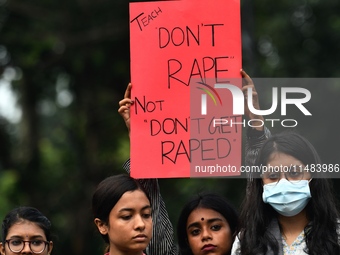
[[25, 230], [288, 209]]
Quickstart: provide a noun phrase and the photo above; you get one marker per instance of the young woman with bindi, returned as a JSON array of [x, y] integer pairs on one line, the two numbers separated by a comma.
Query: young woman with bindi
[[288, 209], [25, 230], [207, 225]]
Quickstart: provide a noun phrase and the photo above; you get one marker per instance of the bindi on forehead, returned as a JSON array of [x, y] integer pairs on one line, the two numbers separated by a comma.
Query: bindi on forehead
[[202, 219]]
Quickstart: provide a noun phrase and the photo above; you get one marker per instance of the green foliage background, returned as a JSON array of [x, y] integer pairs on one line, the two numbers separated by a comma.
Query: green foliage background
[[57, 154]]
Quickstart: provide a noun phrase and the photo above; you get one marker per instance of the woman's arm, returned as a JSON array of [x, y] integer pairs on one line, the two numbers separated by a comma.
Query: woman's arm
[[162, 241]]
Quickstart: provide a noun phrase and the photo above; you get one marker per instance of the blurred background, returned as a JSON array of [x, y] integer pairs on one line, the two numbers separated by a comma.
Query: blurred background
[[64, 66]]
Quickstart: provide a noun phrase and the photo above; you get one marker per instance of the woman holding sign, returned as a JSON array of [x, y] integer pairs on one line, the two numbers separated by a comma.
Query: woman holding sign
[[288, 209], [212, 205]]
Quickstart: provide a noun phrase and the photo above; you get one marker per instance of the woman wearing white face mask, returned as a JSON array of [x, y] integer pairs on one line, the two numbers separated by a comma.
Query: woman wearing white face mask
[[287, 209]]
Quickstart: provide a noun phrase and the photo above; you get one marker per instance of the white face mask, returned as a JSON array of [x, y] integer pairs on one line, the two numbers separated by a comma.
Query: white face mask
[[288, 198]]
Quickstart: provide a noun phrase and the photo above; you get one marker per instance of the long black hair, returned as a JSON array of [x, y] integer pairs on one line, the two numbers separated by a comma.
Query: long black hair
[[321, 234], [211, 201]]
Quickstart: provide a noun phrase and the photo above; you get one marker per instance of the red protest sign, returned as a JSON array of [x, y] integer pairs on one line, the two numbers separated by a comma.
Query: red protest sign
[[179, 51]]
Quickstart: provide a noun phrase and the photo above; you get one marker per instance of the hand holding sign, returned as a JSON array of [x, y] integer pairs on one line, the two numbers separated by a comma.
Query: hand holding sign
[[247, 83], [124, 106]]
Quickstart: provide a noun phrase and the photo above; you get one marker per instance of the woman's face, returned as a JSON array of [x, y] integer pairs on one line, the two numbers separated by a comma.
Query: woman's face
[[208, 232], [130, 224], [281, 165], [22, 232]]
